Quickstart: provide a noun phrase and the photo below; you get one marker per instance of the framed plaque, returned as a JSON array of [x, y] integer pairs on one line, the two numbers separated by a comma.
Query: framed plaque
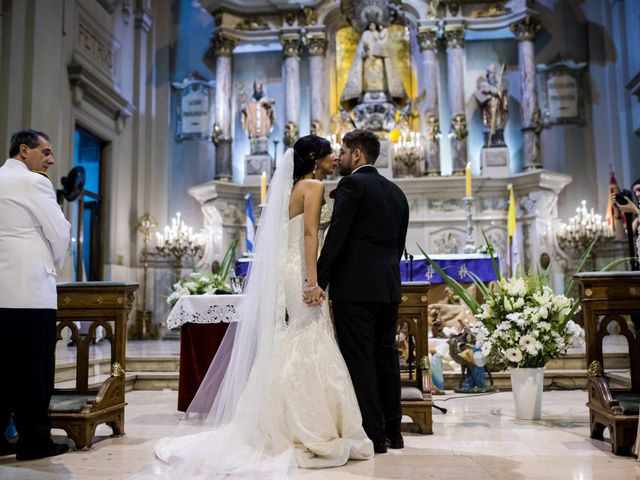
[[194, 108], [562, 92]]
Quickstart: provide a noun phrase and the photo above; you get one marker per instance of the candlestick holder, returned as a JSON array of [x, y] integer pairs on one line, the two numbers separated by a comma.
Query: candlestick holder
[[469, 245], [144, 328], [179, 241]]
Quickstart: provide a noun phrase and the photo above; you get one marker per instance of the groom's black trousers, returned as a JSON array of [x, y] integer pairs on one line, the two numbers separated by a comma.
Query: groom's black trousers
[[366, 334]]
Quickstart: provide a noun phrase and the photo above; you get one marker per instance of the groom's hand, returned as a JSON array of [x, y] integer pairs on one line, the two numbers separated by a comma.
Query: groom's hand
[[314, 297]]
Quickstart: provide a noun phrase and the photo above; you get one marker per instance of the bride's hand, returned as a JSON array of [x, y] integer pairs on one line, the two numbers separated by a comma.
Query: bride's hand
[[314, 297]]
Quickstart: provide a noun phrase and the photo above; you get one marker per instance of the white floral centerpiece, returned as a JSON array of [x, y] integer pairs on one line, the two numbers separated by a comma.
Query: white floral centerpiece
[[197, 283], [524, 324]]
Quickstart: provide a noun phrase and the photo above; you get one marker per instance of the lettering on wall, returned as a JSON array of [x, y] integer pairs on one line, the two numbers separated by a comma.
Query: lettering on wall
[[89, 42], [194, 107]]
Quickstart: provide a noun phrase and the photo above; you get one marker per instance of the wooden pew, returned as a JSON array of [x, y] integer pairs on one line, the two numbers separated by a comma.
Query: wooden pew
[[416, 376], [609, 297], [78, 411]]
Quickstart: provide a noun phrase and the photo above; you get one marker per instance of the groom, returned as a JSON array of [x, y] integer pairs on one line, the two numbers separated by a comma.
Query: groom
[[360, 262]]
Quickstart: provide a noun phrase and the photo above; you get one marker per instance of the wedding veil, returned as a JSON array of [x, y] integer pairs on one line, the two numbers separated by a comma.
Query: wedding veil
[[235, 391]]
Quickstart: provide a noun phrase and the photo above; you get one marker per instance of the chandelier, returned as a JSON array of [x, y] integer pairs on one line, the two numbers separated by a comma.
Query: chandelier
[[583, 228], [178, 241], [408, 150]]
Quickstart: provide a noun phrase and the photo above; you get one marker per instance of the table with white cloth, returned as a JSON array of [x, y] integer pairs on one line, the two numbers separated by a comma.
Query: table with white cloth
[[203, 322]]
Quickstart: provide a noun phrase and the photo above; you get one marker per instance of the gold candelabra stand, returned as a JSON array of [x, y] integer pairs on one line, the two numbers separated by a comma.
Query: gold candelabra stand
[[144, 327], [408, 151], [178, 241]]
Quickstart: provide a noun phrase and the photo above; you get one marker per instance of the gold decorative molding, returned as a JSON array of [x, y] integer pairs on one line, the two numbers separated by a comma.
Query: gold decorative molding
[[317, 46], [526, 29], [222, 46], [454, 37], [595, 369], [252, 23], [291, 47], [428, 39]]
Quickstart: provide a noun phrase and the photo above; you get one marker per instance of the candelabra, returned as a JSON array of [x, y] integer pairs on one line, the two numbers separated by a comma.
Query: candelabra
[[583, 228], [144, 328], [408, 150], [335, 143], [178, 241], [469, 244]]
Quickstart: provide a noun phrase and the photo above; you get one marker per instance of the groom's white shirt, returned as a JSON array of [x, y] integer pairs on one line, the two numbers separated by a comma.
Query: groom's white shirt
[[34, 237], [362, 166]]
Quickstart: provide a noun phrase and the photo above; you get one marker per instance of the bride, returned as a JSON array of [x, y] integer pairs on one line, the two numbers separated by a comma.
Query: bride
[[278, 394]]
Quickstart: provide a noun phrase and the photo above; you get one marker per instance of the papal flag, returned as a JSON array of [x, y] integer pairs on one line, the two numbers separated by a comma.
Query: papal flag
[[615, 219], [512, 233], [251, 223]]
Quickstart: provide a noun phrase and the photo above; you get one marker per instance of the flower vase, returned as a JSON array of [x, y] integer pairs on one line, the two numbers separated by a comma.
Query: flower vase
[[526, 385]]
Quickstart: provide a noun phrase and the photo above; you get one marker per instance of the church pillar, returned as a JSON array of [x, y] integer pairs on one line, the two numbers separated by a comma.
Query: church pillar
[[291, 47], [223, 49], [454, 37], [317, 45], [428, 41], [525, 32]]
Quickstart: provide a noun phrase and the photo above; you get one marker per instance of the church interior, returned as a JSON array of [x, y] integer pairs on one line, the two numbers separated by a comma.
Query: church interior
[[508, 125]]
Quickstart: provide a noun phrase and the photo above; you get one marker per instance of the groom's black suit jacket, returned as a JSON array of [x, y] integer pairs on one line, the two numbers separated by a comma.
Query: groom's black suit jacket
[[360, 259]]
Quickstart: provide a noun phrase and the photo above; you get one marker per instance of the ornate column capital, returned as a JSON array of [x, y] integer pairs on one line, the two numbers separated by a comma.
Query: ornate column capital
[[454, 37], [317, 46], [526, 29], [142, 15], [222, 46], [291, 46], [428, 39]]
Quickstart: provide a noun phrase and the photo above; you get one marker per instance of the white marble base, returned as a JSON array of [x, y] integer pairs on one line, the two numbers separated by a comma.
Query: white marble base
[[495, 162]]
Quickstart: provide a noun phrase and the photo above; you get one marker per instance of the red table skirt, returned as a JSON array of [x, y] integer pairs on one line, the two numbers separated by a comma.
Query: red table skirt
[[198, 345]]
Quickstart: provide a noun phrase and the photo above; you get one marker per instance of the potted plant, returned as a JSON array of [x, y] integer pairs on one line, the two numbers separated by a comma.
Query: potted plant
[[523, 324]]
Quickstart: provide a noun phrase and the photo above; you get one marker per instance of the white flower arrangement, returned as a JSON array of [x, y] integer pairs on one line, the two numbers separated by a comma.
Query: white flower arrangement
[[525, 324], [197, 283]]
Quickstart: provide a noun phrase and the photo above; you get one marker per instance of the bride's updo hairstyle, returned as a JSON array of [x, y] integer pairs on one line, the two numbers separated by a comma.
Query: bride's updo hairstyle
[[307, 151]]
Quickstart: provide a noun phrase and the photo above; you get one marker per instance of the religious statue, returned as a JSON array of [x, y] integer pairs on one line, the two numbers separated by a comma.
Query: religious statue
[[258, 118], [290, 134], [458, 137], [372, 70], [493, 98], [432, 147]]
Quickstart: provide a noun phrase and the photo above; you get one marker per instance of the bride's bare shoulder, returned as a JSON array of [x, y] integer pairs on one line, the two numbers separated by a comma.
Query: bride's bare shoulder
[[311, 185]]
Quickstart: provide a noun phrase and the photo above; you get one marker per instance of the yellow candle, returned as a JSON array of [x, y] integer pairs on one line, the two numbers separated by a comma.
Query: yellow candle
[[468, 180], [263, 188]]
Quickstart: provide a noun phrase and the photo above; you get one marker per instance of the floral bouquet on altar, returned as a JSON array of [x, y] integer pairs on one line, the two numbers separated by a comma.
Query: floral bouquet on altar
[[197, 283]]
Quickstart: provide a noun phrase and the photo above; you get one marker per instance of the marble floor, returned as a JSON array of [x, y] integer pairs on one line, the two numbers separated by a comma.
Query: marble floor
[[477, 439]]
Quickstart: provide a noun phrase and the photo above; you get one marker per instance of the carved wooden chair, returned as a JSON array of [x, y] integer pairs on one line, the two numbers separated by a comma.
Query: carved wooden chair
[[78, 411], [416, 385], [608, 298]]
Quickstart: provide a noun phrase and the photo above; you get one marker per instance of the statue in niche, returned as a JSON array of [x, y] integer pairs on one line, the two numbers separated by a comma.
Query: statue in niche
[[492, 96], [458, 135], [372, 71], [258, 118]]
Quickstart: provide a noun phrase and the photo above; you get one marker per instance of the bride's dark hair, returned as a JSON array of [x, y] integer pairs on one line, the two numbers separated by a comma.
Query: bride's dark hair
[[307, 151]]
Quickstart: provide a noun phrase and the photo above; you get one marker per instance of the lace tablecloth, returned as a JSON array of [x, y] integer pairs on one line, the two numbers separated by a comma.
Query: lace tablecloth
[[204, 309]]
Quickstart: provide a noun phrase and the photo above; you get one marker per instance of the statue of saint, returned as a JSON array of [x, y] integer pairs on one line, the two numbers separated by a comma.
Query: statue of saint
[[258, 118], [492, 96], [372, 69]]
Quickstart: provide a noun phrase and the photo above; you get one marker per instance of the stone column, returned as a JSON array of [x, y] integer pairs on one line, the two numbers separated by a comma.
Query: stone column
[[454, 37], [221, 136], [428, 41], [291, 47], [525, 32], [317, 48]]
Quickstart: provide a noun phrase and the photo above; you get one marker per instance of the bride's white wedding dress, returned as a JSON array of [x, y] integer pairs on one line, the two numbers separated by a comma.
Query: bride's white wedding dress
[[298, 411]]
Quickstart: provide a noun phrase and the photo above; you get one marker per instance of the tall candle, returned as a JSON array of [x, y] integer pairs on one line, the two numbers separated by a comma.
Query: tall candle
[[467, 182], [263, 188]]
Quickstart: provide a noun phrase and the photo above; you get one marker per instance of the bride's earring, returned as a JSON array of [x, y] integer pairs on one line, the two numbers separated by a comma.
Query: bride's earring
[[315, 168]]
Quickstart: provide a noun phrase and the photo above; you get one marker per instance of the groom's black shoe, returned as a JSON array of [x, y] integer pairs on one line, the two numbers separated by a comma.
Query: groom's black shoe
[[395, 441], [380, 447]]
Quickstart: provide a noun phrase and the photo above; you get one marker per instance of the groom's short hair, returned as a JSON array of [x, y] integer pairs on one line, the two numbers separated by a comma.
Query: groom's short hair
[[364, 140]]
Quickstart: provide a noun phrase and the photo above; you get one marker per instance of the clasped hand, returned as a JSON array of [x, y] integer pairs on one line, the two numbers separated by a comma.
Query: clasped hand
[[313, 297]]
